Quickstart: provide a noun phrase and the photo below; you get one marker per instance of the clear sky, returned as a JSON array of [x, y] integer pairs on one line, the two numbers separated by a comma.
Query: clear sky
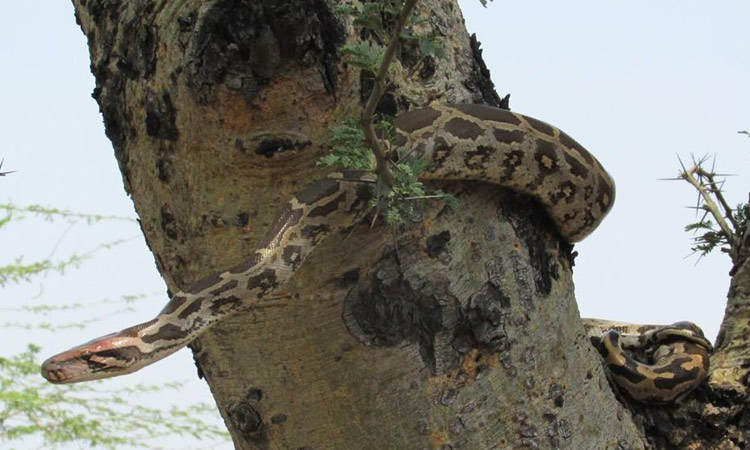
[[637, 83]]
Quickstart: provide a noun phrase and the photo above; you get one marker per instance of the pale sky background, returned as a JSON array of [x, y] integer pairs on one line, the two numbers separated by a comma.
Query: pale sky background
[[636, 82]]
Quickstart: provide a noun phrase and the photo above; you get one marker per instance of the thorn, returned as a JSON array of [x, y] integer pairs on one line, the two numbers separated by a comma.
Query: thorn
[[2, 174]]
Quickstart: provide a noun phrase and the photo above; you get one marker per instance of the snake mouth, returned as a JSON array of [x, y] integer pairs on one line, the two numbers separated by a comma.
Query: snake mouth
[[65, 369], [55, 373]]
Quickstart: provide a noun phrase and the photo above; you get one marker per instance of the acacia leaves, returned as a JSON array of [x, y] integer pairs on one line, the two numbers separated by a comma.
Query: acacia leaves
[[37, 414]]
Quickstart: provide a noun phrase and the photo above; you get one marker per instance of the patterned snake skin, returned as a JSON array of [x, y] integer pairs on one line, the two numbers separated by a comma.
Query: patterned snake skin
[[461, 142]]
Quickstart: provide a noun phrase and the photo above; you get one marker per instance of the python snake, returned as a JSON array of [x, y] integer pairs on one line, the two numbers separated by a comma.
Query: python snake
[[459, 142]]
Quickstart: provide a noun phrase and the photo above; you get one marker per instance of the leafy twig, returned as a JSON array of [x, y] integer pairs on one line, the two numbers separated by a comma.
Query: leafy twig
[[377, 92], [50, 213], [361, 144]]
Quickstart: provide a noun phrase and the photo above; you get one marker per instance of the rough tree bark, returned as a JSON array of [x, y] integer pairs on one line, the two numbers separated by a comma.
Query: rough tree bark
[[459, 330]]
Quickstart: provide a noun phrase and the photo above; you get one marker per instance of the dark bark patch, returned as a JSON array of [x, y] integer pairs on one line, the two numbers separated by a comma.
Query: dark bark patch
[[448, 396], [164, 165], [479, 80], [534, 226], [249, 423], [135, 48], [392, 310], [365, 193], [349, 277], [437, 242], [271, 146], [122, 50], [428, 68], [104, 9], [168, 224], [388, 104], [233, 45], [161, 116], [108, 93], [278, 419], [254, 395], [242, 44], [557, 394], [486, 313], [139, 45], [242, 219]]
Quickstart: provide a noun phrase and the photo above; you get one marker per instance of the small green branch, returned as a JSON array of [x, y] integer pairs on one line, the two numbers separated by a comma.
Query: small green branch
[[18, 271], [366, 143], [378, 90], [51, 213]]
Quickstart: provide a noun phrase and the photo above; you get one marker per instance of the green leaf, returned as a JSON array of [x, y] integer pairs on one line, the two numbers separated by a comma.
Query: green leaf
[[364, 55]]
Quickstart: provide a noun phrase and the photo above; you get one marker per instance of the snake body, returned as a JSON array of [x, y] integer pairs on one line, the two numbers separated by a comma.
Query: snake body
[[677, 358], [458, 142]]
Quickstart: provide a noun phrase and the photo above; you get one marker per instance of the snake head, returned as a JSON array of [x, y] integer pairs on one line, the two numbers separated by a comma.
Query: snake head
[[104, 357]]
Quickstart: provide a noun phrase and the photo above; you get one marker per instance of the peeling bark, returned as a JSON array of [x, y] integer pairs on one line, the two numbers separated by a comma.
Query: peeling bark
[[458, 330]]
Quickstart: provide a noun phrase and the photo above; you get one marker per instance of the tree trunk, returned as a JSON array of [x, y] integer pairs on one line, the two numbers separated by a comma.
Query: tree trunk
[[457, 330]]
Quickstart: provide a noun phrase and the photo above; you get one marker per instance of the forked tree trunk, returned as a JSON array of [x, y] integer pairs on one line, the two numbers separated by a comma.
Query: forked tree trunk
[[459, 330]]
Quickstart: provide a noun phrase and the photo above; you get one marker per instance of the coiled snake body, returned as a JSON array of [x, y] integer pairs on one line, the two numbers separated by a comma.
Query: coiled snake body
[[461, 142]]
